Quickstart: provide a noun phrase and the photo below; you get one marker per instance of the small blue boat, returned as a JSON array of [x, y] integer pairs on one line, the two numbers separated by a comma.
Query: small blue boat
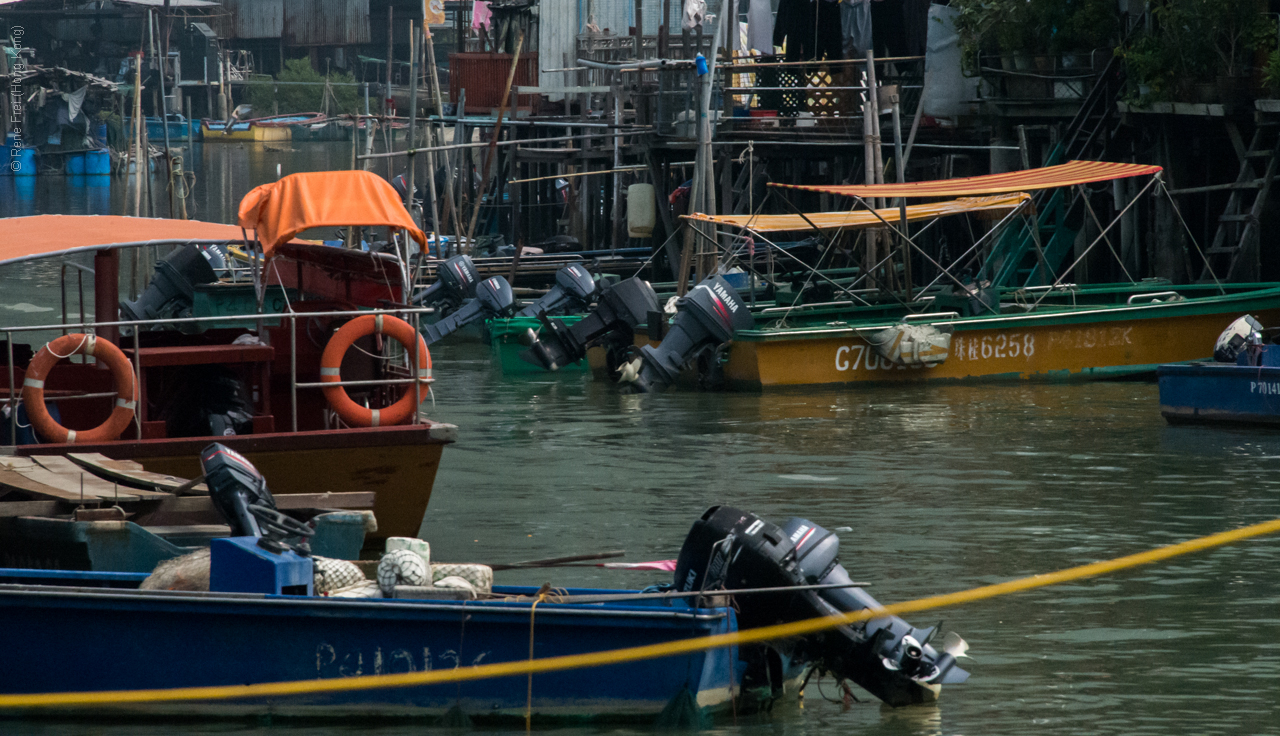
[[1240, 386], [258, 619]]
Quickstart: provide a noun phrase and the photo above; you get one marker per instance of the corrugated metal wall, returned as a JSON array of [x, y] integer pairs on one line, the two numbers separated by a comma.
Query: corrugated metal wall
[[558, 26], [326, 22], [255, 18]]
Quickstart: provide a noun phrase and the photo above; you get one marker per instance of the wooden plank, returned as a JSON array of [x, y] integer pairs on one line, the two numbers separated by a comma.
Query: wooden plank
[[106, 488], [132, 474], [284, 501], [15, 481], [70, 485], [33, 508]]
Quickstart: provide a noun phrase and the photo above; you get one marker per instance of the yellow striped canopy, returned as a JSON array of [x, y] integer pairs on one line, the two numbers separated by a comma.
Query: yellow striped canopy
[[1049, 177], [856, 219]]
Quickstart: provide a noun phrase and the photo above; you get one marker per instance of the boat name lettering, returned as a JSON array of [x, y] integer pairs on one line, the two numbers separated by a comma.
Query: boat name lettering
[[858, 357], [329, 663], [1091, 337], [1002, 345], [1269, 388]]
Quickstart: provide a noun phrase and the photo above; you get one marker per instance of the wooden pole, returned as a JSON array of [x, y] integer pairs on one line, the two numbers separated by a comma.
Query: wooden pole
[[493, 147], [439, 132], [139, 157], [386, 98]]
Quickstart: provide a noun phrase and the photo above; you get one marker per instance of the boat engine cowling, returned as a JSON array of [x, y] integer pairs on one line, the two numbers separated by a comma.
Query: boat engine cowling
[[172, 288], [730, 549], [456, 280], [621, 308], [239, 493], [494, 298], [707, 317], [574, 288], [1244, 333]]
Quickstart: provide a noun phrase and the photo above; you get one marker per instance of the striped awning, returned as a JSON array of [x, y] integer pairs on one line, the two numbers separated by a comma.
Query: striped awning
[[1050, 177], [856, 219]]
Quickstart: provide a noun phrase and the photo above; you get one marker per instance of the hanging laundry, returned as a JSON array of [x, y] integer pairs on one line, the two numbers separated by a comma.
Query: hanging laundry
[[760, 26], [75, 100], [915, 21], [481, 16], [804, 35], [694, 12], [855, 26]]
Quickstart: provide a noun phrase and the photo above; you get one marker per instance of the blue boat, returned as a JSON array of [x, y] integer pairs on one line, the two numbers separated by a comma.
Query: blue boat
[[1240, 386], [180, 129], [256, 619], [200, 639]]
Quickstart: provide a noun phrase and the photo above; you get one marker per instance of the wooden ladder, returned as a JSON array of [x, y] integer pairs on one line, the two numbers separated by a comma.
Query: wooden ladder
[[1235, 243]]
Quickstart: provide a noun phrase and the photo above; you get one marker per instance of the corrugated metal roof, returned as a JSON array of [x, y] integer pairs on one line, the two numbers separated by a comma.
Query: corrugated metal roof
[[326, 22], [256, 18]]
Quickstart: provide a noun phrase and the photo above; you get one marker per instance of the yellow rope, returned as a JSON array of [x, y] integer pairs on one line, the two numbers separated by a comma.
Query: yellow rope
[[632, 654]]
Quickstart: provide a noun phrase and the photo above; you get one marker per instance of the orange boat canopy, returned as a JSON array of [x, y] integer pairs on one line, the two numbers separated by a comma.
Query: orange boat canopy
[[1049, 177], [26, 238], [857, 219], [280, 210]]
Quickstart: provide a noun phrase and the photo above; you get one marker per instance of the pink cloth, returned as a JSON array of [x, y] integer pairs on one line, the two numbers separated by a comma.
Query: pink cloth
[[659, 565], [481, 16]]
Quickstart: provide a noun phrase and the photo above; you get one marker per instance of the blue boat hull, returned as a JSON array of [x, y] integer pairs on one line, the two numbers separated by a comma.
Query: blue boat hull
[[1220, 392], [167, 639]]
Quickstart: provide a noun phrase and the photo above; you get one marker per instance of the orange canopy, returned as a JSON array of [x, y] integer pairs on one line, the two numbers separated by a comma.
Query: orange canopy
[[280, 210], [857, 219], [26, 238], [1050, 177]]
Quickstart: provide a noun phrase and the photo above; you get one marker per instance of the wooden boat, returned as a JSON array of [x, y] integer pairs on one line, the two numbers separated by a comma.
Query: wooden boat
[[1132, 336], [309, 291], [210, 639], [1042, 329], [262, 130]]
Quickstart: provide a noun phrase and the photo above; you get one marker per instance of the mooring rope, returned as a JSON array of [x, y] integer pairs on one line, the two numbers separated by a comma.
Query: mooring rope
[[634, 654]]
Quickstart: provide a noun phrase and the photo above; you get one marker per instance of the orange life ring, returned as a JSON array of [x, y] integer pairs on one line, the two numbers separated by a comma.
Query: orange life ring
[[331, 363], [65, 347]]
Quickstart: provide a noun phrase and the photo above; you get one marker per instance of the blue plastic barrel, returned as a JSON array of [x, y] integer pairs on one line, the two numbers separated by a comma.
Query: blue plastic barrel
[[75, 164], [24, 164], [97, 162]]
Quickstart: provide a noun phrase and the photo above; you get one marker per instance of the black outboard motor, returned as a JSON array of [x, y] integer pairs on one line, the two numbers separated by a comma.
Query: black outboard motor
[[707, 317], [456, 280], [621, 308], [494, 298], [239, 493], [730, 549], [573, 290], [172, 288]]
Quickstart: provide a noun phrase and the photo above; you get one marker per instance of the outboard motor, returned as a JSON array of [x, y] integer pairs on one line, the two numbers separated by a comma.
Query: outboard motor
[[494, 298], [1241, 335], [730, 549], [172, 288], [707, 317], [456, 280], [239, 493], [574, 289], [621, 308]]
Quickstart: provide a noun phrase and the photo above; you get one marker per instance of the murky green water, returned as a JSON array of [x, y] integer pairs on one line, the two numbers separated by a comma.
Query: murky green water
[[946, 488]]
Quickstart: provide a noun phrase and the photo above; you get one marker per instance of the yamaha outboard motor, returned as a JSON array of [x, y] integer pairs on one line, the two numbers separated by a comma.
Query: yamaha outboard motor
[[172, 287], [574, 289], [239, 493], [1241, 335], [456, 280], [621, 308], [730, 549], [707, 317], [494, 298]]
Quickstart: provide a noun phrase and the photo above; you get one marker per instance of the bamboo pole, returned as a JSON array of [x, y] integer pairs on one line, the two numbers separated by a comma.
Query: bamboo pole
[[493, 146], [450, 216]]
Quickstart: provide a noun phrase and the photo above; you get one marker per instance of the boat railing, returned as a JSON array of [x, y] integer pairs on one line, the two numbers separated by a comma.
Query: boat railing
[[412, 314]]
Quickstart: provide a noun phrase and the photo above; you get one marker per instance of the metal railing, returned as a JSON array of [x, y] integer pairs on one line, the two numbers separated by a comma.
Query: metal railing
[[291, 316]]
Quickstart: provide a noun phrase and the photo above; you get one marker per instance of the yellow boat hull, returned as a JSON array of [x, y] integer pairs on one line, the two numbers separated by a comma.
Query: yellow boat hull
[[1046, 348], [254, 133]]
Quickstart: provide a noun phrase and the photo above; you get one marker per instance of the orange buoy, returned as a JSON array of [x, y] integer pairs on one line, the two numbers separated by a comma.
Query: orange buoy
[[65, 347], [331, 363]]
